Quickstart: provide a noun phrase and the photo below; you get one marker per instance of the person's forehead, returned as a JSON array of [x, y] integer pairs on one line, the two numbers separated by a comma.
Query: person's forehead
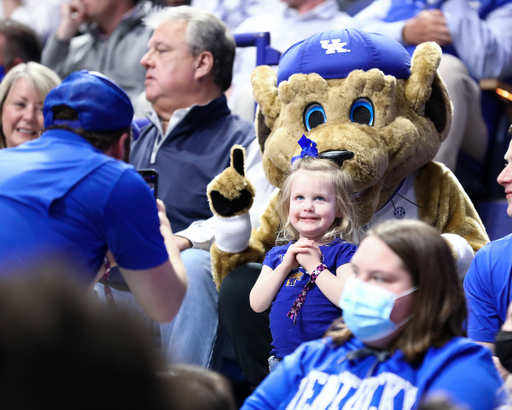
[[309, 179], [170, 31]]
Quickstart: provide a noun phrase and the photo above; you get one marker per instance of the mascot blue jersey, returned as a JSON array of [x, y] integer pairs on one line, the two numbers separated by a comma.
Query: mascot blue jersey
[[319, 375]]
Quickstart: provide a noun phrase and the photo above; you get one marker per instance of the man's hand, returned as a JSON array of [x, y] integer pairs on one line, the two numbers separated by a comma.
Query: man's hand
[[166, 230], [72, 16], [428, 25], [182, 243]]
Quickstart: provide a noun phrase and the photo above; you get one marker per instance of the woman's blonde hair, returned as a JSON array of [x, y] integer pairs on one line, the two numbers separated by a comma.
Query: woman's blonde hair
[[338, 181], [439, 308], [41, 78]]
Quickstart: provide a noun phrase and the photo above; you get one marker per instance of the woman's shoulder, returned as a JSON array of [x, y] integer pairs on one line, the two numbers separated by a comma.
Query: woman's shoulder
[[456, 346], [459, 351]]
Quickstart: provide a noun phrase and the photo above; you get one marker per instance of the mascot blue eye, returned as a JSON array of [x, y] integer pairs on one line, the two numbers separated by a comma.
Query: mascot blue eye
[[362, 112], [314, 115]]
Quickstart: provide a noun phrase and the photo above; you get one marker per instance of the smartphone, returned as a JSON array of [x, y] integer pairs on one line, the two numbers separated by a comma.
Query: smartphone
[[151, 178]]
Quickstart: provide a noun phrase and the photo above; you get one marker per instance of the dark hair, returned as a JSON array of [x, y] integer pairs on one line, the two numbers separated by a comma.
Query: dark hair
[[439, 308], [21, 42], [101, 140], [195, 388], [59, 349], [339, 182]]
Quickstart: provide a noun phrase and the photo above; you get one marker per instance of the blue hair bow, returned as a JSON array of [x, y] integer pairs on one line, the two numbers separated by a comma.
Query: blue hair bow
[[308, 149]]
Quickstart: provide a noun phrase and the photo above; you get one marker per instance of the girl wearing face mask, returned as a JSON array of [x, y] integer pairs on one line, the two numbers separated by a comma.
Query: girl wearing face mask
[[22, 94], [400, 341]]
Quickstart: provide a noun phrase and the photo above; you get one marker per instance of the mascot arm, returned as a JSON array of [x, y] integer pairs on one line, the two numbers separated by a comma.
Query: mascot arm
[[445, 205], [231, 196], [261, 240]]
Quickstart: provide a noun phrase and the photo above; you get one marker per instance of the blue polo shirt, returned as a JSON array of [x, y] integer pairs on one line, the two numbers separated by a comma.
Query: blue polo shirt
[[488, 287], [62, 201]]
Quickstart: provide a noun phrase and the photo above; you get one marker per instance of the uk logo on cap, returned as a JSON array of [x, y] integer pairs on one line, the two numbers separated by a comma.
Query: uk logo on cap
[[334, 46], [336, 53]]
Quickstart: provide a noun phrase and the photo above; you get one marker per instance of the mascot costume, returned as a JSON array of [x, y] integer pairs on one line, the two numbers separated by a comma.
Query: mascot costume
[[381, 115]]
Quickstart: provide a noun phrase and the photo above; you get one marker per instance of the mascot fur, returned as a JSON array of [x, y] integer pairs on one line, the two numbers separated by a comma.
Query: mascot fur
[[379, 113]]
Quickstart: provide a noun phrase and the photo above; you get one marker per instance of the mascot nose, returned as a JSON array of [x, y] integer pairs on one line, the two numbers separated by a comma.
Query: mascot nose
[[337, 156]]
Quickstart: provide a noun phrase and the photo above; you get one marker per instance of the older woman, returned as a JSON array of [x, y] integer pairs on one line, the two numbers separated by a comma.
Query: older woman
[[22, 94], [401, 338]]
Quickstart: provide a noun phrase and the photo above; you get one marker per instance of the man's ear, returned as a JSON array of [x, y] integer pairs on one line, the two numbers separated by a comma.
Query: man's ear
[[118, 148], [204, 64]]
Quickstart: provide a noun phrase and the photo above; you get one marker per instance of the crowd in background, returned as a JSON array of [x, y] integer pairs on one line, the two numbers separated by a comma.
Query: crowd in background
[[191, 96]]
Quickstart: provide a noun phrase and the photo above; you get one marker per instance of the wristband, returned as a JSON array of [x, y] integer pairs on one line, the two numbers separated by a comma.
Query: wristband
[[294, 311]]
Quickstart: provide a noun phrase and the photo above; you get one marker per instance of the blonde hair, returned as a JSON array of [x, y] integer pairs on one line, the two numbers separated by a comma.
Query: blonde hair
[[340, 184], [41, 78]]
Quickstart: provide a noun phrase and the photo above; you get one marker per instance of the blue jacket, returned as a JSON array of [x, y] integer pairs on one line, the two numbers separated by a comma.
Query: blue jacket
[[319, 375], [194, 153]]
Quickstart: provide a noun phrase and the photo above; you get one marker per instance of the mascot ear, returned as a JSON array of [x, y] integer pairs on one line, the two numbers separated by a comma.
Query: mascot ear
[[425, 91], [269, 106]]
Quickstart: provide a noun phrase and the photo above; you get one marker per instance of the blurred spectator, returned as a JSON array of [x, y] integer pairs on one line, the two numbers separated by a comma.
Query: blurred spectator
[[299, 20], [59, 350], [114, 43], [22, 94], [18, 44], [195, 388], [41, 15], [234, 12], [488, 283], [66, 196], [188, 68], [171, 3], [476, 37]]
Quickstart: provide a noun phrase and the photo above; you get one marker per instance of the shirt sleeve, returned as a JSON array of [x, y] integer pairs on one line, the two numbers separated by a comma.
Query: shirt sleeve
[[483, 318], [270, 258], [485, 46], [132, 225], [55, 54], [345, 253], [371, 19]]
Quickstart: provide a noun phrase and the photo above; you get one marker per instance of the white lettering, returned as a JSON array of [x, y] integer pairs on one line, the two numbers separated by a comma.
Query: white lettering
[[350, 382], [334, 46], [331, 390], [306, 389]]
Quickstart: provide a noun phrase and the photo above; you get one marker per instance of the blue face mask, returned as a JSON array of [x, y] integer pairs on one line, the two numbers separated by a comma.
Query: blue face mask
[[2, 72], [367, 307]]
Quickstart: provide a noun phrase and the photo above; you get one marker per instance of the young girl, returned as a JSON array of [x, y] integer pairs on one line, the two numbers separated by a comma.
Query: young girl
[[304, 278]]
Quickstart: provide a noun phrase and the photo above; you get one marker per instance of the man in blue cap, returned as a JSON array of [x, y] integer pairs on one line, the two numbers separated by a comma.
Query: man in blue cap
[[66, 198]]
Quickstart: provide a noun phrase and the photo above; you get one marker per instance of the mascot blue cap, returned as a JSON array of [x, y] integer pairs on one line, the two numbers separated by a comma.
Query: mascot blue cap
[[336, 53]]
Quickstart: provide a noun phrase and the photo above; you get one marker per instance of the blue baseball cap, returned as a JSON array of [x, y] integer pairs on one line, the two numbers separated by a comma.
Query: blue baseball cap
[[100, 103], [336, 53]]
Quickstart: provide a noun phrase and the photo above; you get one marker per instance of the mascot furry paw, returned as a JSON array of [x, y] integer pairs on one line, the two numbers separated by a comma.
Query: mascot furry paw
[[382, 114]]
